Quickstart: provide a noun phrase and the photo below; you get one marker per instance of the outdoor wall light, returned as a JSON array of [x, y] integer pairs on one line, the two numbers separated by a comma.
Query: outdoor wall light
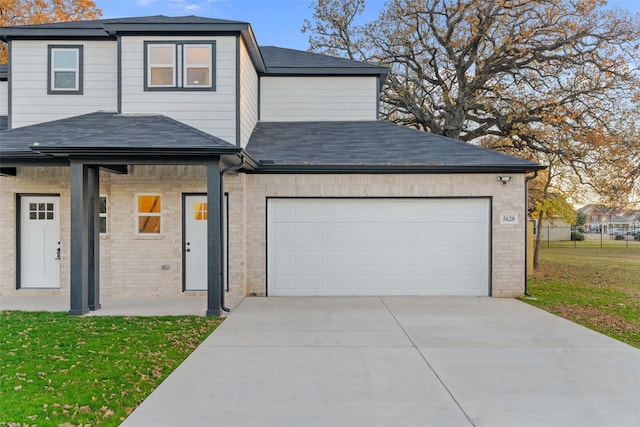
[[504, 179]]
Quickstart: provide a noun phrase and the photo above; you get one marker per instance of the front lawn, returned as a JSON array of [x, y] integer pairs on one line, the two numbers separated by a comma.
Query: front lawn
[[597, 288], [57, 369]]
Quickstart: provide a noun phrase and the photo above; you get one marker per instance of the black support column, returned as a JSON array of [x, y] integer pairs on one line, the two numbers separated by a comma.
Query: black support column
[[93, 241], [79, 275], [214, 238]]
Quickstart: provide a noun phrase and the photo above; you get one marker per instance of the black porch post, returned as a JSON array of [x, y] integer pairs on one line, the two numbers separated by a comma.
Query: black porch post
[[214, 236], [79, 274], [93, 242]]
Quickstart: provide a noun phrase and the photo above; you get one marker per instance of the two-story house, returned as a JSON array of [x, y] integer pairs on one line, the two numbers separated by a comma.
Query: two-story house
[[170, 155]]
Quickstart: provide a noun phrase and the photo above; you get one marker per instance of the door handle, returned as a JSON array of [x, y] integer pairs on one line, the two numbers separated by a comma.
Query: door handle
[[188, 248], [57, 258]]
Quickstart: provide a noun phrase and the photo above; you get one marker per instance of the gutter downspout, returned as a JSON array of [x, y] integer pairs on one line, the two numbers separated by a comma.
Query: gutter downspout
[[526, 229], [222, 174]]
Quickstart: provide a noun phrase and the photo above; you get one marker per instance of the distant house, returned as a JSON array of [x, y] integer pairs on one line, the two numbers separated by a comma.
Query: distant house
[[608, 220], [172, 155], [555, 230]]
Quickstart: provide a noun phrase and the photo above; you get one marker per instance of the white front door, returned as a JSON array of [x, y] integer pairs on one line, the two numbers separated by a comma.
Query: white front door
[[195, 242], [39, 242]]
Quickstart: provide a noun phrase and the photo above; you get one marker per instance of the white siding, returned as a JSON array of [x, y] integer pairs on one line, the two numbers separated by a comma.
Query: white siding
[[30, 102], [317, 98], [248, 95], [4, 98], [210, 111]]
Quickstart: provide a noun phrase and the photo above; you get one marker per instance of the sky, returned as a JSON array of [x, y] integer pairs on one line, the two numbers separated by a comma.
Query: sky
[[274, 22]]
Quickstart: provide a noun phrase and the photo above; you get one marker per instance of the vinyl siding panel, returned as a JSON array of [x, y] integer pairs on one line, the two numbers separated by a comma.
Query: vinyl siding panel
[[210, 111], [317, 98], [4, 98], [30, 102], [248, 95]]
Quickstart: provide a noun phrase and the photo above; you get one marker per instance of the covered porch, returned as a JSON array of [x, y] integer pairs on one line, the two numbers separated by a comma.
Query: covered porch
[[114, 143]]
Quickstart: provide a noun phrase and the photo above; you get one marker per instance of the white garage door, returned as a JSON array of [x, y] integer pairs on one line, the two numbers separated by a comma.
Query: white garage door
[[378, 246]]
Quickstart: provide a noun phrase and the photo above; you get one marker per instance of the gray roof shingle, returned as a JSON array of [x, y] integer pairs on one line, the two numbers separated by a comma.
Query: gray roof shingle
[[105, 131], [279, 60], [156, 19], [370, 144]]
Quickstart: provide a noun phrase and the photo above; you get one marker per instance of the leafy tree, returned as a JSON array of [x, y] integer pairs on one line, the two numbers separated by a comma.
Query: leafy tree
[[555, 79], [581, 219], [22, 12]]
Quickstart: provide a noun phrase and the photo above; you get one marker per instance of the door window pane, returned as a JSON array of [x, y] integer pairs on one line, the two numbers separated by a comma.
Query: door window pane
[[41, 211], [200, 211]]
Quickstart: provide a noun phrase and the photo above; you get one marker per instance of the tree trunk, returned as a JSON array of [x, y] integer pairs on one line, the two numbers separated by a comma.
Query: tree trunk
[[536, 251]]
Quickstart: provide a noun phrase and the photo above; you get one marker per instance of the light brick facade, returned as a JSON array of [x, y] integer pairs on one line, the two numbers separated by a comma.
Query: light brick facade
[[131, 264]]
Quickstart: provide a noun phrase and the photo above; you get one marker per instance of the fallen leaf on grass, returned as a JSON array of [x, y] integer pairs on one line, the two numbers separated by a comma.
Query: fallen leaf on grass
[[593, 316]]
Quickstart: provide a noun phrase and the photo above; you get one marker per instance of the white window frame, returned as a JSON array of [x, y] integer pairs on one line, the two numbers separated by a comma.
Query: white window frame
[[147, 214], [77, 50], [150, 66], [104, 215], [186, 66]]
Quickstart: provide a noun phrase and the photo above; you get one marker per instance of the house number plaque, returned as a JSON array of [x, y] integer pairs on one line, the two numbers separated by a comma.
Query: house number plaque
[[509, 218]]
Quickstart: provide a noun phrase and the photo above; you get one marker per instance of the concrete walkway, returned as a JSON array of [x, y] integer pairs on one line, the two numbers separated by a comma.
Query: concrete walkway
[[176, 305], [401, 361]]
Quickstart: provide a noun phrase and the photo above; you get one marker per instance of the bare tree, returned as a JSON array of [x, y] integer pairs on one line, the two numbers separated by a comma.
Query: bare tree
[[542, 78]]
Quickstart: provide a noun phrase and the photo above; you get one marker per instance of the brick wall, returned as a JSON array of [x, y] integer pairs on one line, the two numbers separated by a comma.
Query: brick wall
[[131, 264], [508, 239]]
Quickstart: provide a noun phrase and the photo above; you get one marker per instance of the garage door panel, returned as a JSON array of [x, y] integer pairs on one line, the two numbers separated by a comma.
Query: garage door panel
[[378, 246]]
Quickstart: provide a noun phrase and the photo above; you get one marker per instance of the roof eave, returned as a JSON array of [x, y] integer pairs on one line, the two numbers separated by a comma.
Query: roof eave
[[40, 33], [361, 168], [135, 151], [340, 71], [151, 28]]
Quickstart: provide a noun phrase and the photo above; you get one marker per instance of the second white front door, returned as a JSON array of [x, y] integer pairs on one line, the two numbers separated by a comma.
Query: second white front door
[[195, 242]]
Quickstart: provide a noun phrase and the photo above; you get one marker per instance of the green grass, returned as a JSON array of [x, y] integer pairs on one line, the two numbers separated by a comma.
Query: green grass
[[597, 288], [57, 369]]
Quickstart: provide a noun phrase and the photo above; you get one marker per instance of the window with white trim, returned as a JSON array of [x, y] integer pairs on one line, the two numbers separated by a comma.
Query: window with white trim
[[149, 214], [180, 65], [103, 215], [65, 69]]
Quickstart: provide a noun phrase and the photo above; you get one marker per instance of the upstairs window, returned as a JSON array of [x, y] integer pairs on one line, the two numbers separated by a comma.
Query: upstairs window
[[162, 65], [65, 69], [180, 65]]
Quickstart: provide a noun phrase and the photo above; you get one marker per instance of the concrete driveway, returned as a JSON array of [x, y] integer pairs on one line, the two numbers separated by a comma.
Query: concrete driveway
[[400, 361]]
